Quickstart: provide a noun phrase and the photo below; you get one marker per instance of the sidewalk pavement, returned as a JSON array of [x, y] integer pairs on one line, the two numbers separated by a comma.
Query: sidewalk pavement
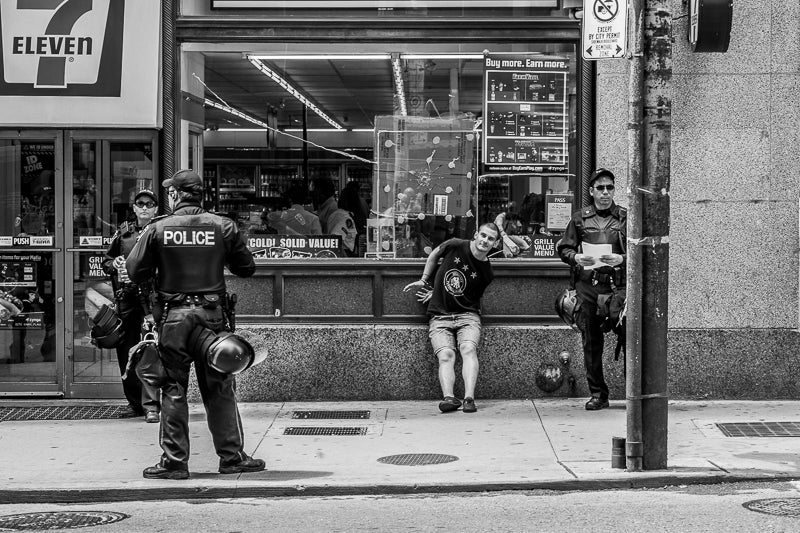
[[507, 445]]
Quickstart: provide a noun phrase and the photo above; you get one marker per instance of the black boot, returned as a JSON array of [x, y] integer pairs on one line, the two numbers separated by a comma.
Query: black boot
[[159, 471]]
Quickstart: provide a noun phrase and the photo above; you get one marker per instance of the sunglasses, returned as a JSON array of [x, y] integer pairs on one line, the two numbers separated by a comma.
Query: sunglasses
[[604, 187], [148, 205]]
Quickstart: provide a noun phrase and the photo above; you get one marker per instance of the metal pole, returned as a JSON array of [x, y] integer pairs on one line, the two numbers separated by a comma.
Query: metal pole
[[170, 98], [305, 147], [655, 228], [633, 344]]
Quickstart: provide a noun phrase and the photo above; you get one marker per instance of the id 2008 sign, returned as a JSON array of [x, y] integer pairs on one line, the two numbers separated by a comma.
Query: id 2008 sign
[[102, 54]]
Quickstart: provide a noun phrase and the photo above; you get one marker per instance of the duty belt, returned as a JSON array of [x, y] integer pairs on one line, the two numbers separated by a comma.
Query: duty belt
[[597, 277], [206, 301]]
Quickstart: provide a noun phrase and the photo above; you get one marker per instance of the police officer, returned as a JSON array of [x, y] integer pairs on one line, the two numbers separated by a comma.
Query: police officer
[[132, 305], [602, 223], [187, 252]]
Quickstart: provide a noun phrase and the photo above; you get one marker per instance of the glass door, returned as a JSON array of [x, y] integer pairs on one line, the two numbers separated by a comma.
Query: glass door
[[31, 258], [104, 170]]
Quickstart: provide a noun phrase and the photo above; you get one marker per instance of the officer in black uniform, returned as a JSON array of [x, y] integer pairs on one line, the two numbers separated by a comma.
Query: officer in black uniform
[[132, 304], [187, 251], [604, 222]]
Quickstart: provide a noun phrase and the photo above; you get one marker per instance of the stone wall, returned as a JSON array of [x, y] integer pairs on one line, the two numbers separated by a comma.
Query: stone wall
[[396, 363]]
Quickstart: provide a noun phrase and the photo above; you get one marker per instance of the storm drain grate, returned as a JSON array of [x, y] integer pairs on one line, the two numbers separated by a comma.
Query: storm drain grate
[[326, 430], [331, 415], [775, 506], [64, 412], [417, 459], [58, 520], [760, 429]]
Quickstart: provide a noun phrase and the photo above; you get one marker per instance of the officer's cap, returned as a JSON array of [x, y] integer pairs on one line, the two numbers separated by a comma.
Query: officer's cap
[[600, 173], [184, 180], [146, 192]]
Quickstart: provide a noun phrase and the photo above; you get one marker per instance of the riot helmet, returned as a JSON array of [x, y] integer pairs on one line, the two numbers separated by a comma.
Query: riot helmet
[[567, 307], [549, 377], [230, 354], [109, 337], [107, 331], [225, 352]]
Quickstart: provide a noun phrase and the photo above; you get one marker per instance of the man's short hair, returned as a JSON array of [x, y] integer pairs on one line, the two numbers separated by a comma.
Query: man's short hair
[[601, 173], [324, 187], [297, 193], [491, 226]]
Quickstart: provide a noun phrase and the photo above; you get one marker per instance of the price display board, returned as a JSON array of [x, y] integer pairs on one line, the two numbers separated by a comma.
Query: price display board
[[526, 114]]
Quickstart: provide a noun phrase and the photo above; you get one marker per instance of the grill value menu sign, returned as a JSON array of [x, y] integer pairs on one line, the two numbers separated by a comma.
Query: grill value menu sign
[[525, 113]]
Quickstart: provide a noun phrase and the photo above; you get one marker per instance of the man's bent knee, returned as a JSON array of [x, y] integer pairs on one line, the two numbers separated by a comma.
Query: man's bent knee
[[446, 356]]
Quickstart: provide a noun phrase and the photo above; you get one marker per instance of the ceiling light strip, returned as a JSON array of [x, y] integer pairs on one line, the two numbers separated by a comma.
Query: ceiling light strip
[[320, 57], [399, 91], [264, 125], [360, 57], [288, 87], [441, 56]]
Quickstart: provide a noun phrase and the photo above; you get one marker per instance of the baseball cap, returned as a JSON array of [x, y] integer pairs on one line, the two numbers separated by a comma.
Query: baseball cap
[[600, 173], [184, 180], [146, 192]]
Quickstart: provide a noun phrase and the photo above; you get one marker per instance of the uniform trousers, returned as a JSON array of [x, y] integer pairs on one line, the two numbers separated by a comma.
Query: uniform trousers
[[218, 391], [140, 396], [592, 335]]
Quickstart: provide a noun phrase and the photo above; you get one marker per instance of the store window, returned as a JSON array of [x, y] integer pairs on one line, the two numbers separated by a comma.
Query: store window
[[416, 143]]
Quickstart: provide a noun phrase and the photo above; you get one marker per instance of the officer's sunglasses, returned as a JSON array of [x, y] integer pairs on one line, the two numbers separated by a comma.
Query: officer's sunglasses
[[148, 205], [604, 187]]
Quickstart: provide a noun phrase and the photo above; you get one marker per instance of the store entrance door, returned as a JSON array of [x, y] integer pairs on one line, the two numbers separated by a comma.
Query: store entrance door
[[104, 170], [64, 193], [31, 256]]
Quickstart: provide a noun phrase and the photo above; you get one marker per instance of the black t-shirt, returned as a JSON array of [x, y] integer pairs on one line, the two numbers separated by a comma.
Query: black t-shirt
[[460, 280]]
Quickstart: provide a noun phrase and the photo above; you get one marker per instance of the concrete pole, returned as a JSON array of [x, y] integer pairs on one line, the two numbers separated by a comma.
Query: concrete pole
[[649, 136]]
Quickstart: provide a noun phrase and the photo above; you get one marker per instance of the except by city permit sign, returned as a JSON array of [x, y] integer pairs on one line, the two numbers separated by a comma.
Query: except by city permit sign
[[604, 29]]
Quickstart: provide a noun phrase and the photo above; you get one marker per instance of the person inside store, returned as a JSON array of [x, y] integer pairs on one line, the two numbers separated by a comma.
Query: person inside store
[[132, 305], [334, 221], [187, 252], [350, 200], [454, 307], [297, 220], [594, 246], [511, 243]]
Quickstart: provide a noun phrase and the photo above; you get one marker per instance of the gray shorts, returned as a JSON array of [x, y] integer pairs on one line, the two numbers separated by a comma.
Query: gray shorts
[[451, 331]]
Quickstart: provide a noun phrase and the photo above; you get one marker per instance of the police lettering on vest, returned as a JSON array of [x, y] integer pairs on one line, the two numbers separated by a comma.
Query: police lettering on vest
[[182, 236]]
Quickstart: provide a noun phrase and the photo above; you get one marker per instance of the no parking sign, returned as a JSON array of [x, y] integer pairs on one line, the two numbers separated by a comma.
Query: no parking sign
[[604, 29]]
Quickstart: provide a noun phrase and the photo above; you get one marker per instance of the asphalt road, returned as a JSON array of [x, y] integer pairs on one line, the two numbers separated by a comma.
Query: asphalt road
[[682, 509]]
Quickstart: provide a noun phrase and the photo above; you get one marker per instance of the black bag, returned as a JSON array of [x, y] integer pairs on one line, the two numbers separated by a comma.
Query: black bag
[[612, 308]]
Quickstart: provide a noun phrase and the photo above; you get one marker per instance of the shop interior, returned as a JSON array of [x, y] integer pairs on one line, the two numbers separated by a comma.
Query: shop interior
[[401, 125]]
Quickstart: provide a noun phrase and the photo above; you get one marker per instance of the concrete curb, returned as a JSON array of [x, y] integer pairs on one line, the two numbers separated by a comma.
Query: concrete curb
[[172, 490]]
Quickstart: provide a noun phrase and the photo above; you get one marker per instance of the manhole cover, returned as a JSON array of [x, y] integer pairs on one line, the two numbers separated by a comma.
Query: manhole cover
[[331, 415], [325, 430], [62, 412], [775, 506], [417, 459], [58, 520], [760, 429]]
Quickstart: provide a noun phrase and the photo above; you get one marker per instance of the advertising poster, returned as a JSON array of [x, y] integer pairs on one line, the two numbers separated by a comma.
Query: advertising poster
[[295, 246], [18, 276], [526, 113], [558, 210], [425, 165]]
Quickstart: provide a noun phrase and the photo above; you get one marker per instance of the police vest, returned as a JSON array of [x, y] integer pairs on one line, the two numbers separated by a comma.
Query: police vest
[[192, 257]]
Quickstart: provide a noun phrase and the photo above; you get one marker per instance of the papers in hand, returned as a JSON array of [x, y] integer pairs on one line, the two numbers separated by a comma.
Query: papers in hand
[[595, 251]]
